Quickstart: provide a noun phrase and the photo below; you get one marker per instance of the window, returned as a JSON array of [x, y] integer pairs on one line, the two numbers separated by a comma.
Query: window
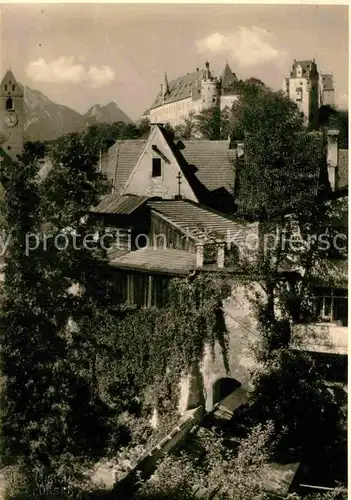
[[9, 104], [213, 99], [331, 305], [5, 86], [156, 167], [13, 88]]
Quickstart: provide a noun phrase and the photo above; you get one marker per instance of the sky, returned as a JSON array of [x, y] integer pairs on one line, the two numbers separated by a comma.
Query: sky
[[85, 54]]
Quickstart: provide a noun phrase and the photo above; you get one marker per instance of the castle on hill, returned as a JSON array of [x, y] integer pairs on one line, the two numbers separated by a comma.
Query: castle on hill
[[193, 93]]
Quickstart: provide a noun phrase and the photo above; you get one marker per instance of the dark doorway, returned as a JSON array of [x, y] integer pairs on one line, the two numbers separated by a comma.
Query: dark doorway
[[223, 387]]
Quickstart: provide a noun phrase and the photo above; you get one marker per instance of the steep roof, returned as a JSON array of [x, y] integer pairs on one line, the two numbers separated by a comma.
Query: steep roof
[[207, 165], [214, 162], [166, 260], [10, 79], [180, 88], [228, 77], [307, 66], [121, 205], [119, 161], [200, 223]]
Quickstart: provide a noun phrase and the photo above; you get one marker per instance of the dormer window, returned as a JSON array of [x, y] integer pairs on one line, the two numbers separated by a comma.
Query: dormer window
[[156, 167], [9, 104]]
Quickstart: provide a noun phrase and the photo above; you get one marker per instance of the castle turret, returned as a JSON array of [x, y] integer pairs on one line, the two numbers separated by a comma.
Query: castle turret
[[210, 92], [303, 88]]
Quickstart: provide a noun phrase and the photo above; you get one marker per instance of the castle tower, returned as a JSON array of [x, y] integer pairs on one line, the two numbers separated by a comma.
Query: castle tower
[[302, 87], [210, 93], [228, 79], [11, 116]]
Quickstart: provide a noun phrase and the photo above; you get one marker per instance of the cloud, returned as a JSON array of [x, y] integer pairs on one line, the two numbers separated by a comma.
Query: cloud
[[66, 70], [248, 47]]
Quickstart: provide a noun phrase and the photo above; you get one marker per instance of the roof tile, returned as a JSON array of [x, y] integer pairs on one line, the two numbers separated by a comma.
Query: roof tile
[[158, 260], [214, 163], [121, 205], [199, 222], [119, 161]]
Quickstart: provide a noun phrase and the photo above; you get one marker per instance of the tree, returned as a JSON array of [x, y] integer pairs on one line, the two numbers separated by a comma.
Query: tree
[[212, 124], [45, 392], [338, 119], [283, 186], [187, 129]]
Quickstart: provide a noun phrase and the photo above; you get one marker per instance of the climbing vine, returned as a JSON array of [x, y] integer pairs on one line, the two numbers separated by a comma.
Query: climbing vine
[[152, 348]]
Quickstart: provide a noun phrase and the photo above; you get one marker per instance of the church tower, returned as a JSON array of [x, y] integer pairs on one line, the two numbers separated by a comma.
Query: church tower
[[11, 116]]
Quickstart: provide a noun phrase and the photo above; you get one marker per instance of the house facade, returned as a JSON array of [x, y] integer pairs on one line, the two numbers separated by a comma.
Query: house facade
[[169, 206]]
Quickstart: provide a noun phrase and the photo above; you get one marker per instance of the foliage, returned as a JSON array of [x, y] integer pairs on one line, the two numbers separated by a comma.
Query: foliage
[[338, 119], [301, 405], [186, 130], [44, 394], [282, 184], [212, 124], [154, 348], [220, 474]]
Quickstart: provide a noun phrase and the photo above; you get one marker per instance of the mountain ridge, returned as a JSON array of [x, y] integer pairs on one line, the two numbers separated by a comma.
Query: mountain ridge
[[47, 120]]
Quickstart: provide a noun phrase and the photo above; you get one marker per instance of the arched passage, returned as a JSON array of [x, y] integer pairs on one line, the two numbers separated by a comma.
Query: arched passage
[[220, 388]]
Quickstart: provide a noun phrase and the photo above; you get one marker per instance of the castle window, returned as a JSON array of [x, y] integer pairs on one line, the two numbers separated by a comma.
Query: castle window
[[156, 167], [13, 88], [213, 99], [9, 104], [5, 86]]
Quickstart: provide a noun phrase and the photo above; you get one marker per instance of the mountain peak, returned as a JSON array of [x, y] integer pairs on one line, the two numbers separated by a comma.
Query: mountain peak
[[106, 113], [47, 120]]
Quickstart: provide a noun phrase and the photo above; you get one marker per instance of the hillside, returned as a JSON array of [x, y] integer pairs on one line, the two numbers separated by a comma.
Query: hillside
[[47, 120]]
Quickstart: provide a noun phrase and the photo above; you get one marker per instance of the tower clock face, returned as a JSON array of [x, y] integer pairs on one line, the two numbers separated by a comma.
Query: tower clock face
[[11, 120]]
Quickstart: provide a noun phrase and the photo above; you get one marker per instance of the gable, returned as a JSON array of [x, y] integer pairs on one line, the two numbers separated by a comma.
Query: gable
[[119, 161], [207, 169], [10, 87], [163, 181]]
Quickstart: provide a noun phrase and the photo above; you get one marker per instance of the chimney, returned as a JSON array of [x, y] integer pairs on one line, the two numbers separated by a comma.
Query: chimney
[[333, 156], [199, 254]]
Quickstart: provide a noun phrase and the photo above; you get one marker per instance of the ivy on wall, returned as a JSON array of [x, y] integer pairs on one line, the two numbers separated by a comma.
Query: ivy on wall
[[151, 349]]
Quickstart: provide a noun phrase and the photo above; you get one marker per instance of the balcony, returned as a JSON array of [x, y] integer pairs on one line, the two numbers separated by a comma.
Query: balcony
[[328, 338]]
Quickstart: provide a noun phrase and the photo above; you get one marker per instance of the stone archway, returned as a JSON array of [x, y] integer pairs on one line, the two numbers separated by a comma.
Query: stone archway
[[219, 389]]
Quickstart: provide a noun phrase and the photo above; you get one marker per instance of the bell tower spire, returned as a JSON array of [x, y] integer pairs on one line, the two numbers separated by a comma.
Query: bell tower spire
[[11, 116]]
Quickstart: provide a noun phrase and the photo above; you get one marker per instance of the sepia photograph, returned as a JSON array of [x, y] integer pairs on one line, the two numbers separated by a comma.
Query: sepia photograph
[[174, 251]]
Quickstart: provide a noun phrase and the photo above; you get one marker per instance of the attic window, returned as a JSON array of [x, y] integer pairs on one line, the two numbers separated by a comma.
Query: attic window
[[9, 104], [156, 167]]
